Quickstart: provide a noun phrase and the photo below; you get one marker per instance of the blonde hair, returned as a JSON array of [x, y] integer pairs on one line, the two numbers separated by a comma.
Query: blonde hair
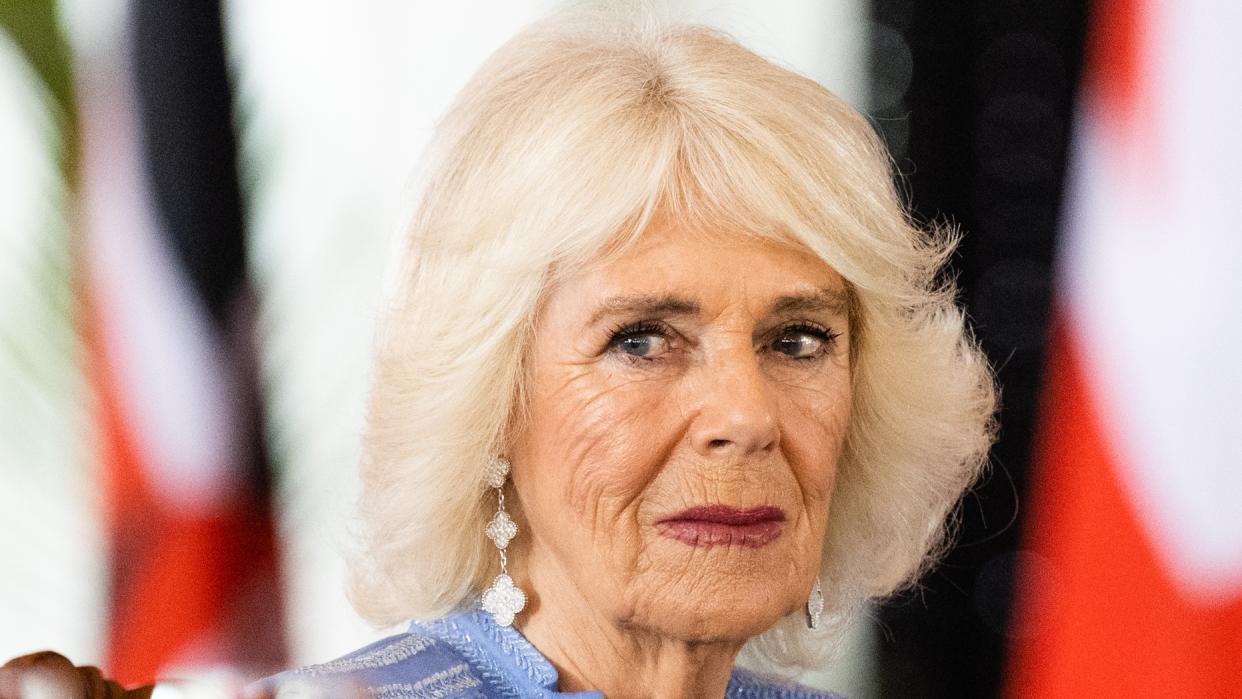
[[562, 148]]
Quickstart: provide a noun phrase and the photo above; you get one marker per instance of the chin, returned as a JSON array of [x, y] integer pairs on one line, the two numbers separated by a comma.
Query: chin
[[734, 610], [724, 624]]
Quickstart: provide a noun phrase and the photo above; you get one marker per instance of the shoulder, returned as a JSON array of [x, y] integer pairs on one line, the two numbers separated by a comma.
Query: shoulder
[[744, 684], [404, 666]]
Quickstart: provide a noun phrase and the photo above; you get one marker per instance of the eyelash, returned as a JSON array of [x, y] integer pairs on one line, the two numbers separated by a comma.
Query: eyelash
[[828, 337], [638, 329], [647, 327]]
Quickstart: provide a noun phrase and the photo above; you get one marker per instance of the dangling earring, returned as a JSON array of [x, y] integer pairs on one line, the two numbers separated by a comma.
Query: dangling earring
[[503, 600], [815, 606]]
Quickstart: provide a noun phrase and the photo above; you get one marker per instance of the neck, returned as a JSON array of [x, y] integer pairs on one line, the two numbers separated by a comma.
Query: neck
[[591, 652]]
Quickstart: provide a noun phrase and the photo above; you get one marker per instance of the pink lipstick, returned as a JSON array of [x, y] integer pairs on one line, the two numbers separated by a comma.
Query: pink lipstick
[[722, 525]]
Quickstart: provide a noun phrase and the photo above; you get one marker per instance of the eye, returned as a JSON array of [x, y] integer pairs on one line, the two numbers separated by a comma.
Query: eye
[[644, 340], [804, 341]]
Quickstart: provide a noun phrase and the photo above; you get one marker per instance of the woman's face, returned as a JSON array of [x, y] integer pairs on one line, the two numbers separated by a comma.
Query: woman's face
[[687, 407]]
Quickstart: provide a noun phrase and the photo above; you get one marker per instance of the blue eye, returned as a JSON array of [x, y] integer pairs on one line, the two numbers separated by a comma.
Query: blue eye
[[642, 340], [641, 345]]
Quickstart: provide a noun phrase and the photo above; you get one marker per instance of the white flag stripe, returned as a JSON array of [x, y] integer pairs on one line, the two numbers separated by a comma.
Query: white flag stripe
[[171, 383], [1153, 279]]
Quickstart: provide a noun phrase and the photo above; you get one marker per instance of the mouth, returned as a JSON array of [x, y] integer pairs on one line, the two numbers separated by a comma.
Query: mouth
[[722, 525]]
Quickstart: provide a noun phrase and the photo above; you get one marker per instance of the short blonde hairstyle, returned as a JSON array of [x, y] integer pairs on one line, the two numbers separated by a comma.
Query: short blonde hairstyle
[[562, 148]]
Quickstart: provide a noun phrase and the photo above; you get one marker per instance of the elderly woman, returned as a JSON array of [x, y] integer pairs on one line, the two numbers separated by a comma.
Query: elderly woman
[[670, 386]]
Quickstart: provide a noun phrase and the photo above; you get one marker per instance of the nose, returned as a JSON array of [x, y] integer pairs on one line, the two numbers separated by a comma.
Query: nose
[[736, 413]]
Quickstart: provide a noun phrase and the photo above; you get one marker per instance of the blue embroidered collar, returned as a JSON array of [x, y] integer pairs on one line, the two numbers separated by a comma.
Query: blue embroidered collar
[[500, 654], [504, 659]]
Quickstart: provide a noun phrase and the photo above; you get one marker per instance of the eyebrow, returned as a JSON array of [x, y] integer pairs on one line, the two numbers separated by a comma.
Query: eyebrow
[[650, 304], [825, 299]]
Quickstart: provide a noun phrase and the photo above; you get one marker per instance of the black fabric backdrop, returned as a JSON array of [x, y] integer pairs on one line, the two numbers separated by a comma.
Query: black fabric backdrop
[[975, 99]]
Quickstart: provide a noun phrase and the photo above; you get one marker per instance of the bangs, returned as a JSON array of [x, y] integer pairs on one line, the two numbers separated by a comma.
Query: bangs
[[704, 178]]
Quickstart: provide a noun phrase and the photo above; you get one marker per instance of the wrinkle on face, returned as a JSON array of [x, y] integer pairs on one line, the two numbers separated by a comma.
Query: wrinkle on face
[[614, 445]]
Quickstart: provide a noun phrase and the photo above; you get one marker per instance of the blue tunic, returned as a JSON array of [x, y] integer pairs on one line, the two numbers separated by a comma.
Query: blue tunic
[[468, 655]]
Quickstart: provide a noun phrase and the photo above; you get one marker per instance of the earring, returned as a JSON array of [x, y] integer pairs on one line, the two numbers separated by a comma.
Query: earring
[[815, 606], [503, 600]]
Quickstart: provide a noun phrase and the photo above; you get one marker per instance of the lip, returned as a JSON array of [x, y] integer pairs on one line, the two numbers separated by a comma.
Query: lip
[[723, 525]]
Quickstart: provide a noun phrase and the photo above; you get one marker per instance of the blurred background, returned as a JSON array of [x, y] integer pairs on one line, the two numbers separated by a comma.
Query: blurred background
[[197, 206]]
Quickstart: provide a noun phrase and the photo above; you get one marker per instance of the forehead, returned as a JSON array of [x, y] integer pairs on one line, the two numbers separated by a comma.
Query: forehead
[[667, 253], [718, 265]]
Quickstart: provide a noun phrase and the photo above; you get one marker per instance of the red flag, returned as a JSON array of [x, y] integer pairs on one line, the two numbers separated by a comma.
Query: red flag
[[193, 569], [1135, 588]]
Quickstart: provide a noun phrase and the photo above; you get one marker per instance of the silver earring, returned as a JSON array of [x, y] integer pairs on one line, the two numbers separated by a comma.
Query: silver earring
[[503, 600], [815, 606]]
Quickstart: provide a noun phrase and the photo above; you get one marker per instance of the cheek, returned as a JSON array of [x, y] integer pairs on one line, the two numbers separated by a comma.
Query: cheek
[[815, 421], [591, 443]]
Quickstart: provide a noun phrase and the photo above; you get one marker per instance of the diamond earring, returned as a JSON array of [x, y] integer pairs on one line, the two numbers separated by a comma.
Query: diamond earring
[[815, 606], [503, 600]]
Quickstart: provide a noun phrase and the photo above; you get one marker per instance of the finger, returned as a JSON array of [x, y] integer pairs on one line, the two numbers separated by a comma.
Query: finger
[[42, 674], [38, 683], [93, 682], [100, 687], [43, 658], [10, 683]]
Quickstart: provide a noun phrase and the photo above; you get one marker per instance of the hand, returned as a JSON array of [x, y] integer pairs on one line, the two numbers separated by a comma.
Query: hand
[[48, 675]]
